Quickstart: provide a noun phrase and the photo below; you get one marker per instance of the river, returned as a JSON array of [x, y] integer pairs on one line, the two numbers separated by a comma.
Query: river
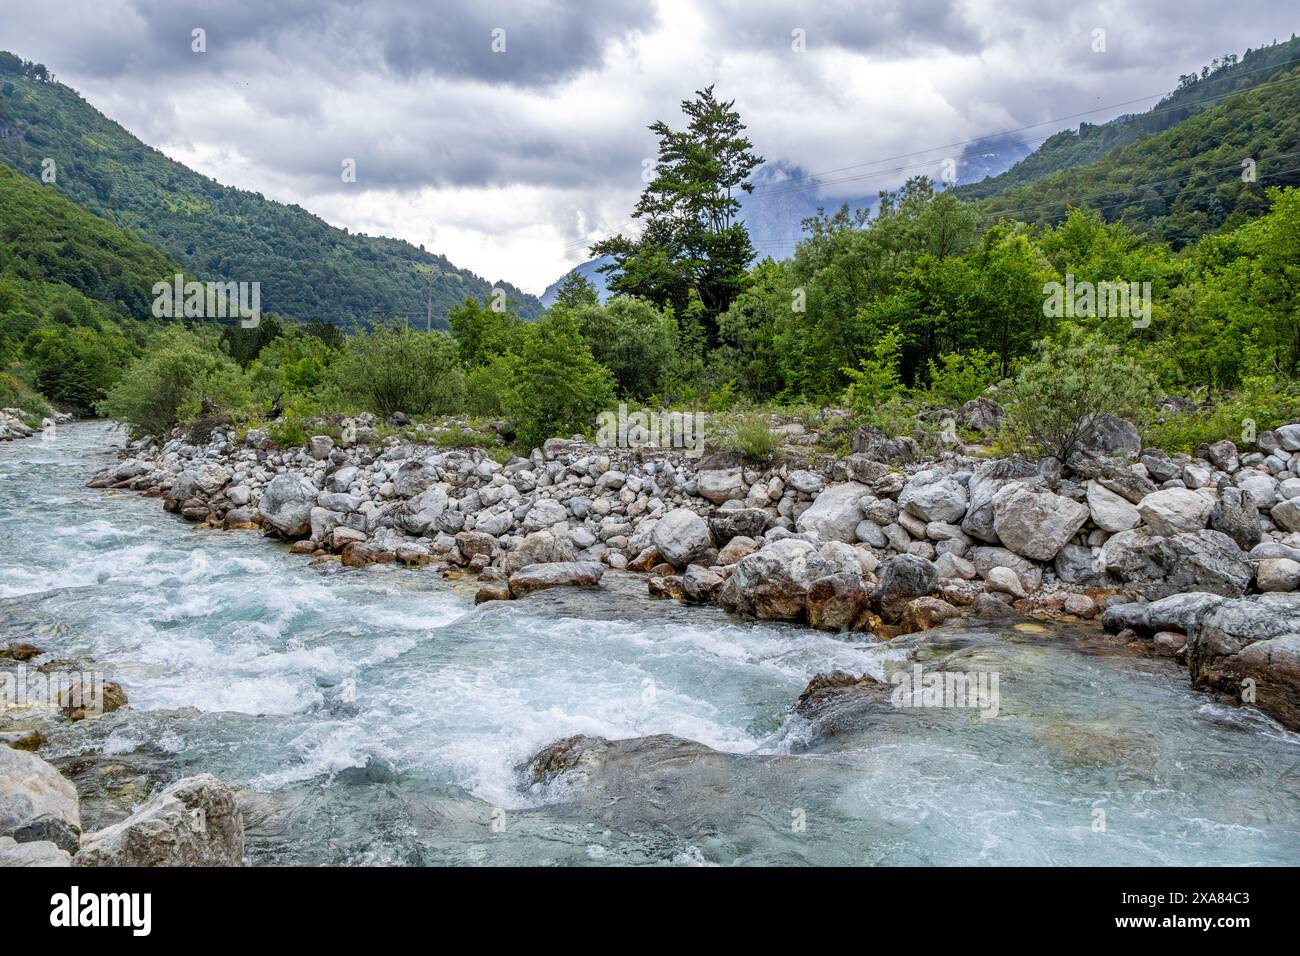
[[377, 716]]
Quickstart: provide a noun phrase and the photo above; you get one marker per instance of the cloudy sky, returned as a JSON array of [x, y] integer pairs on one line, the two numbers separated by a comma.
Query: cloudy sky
[[509, 161]]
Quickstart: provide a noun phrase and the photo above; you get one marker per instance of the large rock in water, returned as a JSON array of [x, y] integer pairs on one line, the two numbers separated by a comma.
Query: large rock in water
[[773, 583], [681, 536], [286, 505], [1033, 522], [1152, 566], [193, 822], [900, 580], [834, 516], [37, 804], [1178, 612], [539, 577], [1250, 648], [835, 602]]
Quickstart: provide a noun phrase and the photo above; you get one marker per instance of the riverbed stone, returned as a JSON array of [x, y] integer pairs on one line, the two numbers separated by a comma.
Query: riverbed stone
[[933, 498], [772, 584], [1153, 566], [36, 802], [721, 484], [835, 513], [901, 579], [195, 822], [1034, 522], [1110, 512], [681, 536], [1172, 510], [286, 505], [1249, 648]]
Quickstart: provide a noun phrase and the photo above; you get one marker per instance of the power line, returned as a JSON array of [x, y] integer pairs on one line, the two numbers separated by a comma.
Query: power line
[[786, 188], [1061, 119]]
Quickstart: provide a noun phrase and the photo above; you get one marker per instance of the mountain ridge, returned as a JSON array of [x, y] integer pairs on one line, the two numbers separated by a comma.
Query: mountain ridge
[[309, 269]]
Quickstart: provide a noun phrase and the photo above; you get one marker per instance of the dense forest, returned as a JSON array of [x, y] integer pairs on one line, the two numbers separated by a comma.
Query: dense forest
[[308, 269]]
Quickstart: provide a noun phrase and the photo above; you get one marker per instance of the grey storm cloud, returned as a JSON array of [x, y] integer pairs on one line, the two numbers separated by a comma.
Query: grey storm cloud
[[875, 26], [516, 44]]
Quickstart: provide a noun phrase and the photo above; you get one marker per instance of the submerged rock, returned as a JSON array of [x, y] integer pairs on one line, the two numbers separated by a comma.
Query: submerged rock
[[538, 577]]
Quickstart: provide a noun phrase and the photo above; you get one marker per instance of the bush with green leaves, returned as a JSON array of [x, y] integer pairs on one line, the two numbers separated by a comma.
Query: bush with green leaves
[[632, 338], [960, 376], [1261, 403], [179, 369], [748, 435], [876, 378], [486, 385], [294, 363], [75, 366], [558, 387], [1056, 397], [16, 393], [392, 368]]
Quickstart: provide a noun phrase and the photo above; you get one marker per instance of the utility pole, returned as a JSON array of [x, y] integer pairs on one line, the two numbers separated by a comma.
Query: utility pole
[[430, 274]]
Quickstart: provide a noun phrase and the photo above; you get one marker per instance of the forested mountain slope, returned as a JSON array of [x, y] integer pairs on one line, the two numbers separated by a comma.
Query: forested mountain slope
[[1186, 181], [308, 269], [1091, 141]]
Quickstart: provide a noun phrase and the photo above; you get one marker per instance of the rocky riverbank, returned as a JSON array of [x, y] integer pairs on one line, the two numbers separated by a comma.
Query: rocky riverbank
[[1197, 555], [13, 427], [193, 822]]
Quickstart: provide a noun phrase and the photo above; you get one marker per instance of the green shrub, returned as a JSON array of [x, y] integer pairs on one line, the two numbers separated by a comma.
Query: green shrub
[[75, 366], [1262, 403], [179, 369], [634, 340], [394, 369], [1074, 378], [749, 436], [960, 376], [558, 386], [457, 437], [15, 393], [486, 385], [876, 379]]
